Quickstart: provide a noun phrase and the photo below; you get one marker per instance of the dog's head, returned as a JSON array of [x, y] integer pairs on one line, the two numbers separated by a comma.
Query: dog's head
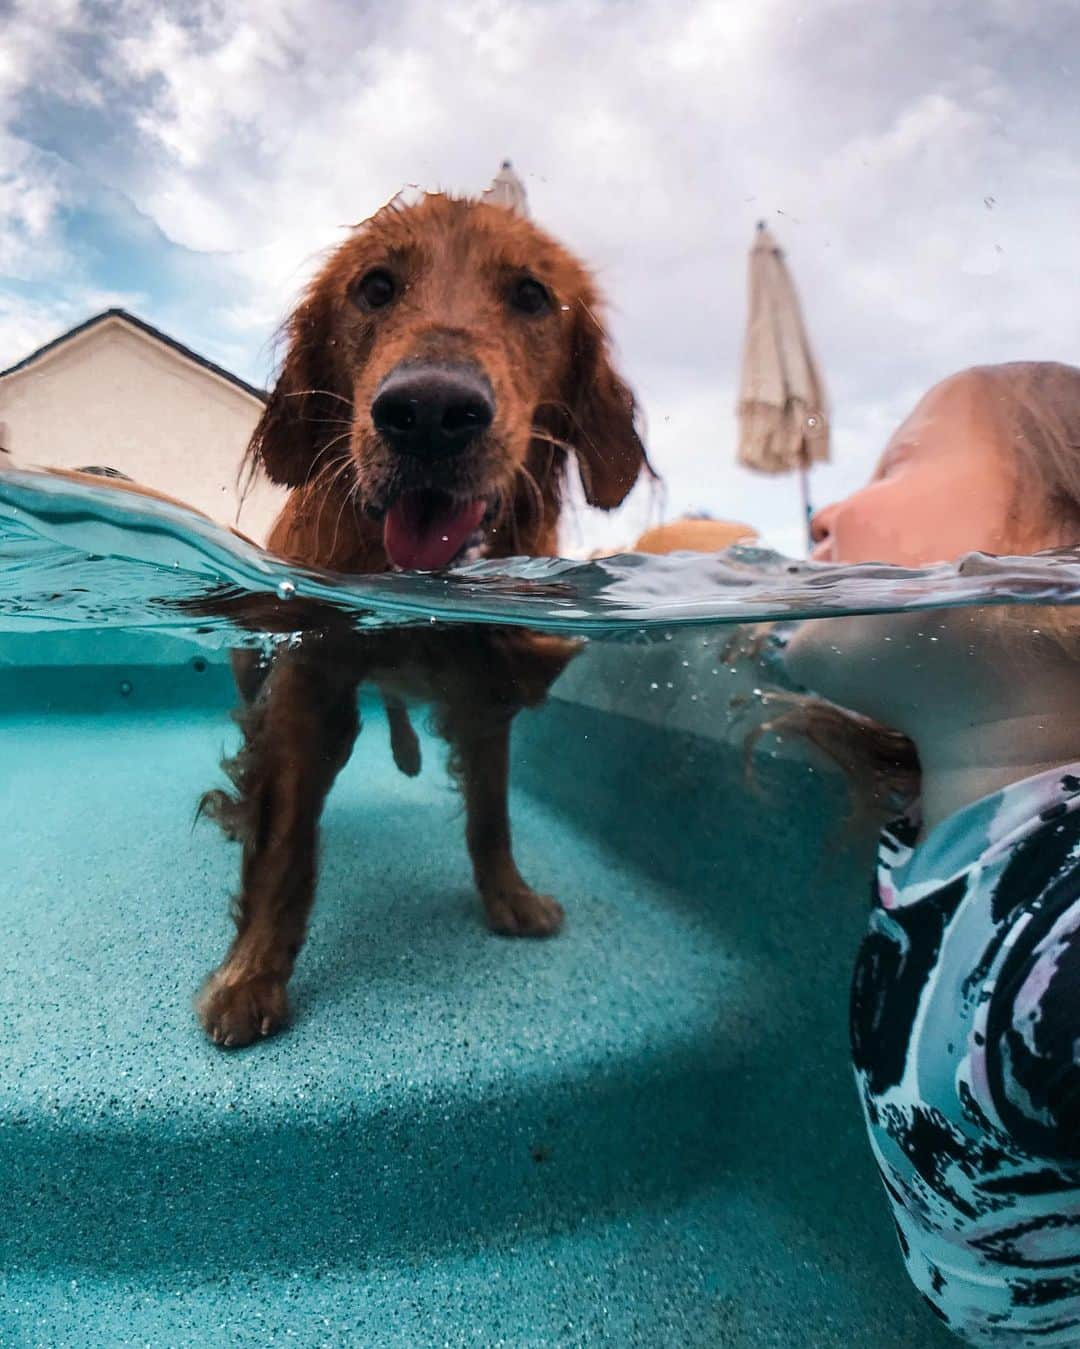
[[439, 369]]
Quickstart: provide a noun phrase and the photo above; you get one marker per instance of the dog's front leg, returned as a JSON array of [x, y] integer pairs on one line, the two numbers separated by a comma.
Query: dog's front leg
[[481, 760], [298, 735]]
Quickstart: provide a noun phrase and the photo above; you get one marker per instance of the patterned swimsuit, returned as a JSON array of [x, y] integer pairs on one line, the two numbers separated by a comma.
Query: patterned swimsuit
[[965, 1029]]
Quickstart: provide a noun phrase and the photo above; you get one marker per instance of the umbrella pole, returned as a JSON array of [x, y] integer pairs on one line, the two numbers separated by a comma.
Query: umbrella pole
[[804, 492]]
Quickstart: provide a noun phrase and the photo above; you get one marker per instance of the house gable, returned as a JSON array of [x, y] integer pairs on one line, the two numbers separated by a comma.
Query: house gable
[[117, 394], [113, 319]]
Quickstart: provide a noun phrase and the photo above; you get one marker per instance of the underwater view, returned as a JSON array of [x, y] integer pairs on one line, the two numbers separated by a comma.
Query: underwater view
[[641, 1131]]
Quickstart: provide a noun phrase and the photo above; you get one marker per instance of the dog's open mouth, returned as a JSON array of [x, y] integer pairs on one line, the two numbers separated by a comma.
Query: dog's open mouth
[[426, 530]]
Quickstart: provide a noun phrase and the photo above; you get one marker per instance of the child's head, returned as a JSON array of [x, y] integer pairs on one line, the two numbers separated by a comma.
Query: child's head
[[988, 461]]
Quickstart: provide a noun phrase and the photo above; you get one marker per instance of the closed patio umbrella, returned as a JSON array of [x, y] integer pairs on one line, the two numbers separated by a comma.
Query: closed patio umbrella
[[507, 190], [783, 418]]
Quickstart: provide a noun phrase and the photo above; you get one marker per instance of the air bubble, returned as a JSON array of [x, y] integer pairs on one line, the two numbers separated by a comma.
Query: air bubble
[[125, 688], [286, 590]]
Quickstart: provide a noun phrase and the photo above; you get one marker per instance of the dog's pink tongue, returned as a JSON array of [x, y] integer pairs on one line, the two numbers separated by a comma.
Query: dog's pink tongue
[[424, 531]]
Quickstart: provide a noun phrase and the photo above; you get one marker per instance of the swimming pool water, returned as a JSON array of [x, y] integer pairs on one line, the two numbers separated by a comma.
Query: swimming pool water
[[641, 1133]]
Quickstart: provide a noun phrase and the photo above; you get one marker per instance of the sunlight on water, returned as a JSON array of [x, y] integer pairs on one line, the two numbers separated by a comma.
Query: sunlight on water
[[77, 556]]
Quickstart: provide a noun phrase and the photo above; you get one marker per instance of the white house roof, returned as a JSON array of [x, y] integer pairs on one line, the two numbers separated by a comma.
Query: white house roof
[[148, 330]]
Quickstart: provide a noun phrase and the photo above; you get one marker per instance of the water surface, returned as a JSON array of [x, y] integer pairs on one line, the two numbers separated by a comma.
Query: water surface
[[77, 555]]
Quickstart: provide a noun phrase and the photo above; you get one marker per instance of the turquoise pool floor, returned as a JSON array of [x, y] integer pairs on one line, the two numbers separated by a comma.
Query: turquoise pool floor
[[639, 1134]]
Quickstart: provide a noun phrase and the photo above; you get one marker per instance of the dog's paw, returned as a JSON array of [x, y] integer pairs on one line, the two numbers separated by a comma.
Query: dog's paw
[[523, 913], [237, 1008]]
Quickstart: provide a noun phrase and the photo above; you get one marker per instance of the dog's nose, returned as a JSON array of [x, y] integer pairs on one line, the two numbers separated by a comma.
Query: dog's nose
[[429, 410]]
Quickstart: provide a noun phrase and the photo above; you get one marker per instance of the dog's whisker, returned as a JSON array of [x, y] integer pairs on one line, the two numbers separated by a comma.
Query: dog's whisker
[[564, 409], [334, 443], [323, 393], [341, 511], [328, 449], [535, 497], [554, 442], [322, 482], [511, 516], [334, 474]]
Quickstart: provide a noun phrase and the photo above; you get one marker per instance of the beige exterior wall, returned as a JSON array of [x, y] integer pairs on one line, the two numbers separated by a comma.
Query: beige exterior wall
[[115, 396]]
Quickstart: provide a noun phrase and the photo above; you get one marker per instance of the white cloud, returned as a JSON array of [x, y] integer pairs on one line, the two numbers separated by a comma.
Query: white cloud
[[211, 80], [29, 200], [25, 326], [36, 47]]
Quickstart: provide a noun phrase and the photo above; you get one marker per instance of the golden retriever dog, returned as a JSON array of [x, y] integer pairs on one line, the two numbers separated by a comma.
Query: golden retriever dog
[[442, 371]]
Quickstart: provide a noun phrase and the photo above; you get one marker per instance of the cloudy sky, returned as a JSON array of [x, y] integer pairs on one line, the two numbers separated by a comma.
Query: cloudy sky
[[918, 161]]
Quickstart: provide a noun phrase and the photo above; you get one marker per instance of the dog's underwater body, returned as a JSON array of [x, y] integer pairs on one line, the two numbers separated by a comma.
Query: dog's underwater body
[[441, 371]]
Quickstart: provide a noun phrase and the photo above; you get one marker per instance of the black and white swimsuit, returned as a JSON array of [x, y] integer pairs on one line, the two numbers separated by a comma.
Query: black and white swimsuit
[[965, 1028]]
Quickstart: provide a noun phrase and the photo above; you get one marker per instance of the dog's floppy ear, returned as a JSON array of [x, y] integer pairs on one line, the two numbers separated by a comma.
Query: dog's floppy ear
[[305, 409], [602, 416]]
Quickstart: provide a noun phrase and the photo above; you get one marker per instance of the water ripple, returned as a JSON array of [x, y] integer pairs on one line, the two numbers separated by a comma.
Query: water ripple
[[80, 555]]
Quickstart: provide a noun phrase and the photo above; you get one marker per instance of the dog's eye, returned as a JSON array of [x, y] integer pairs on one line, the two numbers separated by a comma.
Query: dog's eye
[[528, 296], [374, 289]]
